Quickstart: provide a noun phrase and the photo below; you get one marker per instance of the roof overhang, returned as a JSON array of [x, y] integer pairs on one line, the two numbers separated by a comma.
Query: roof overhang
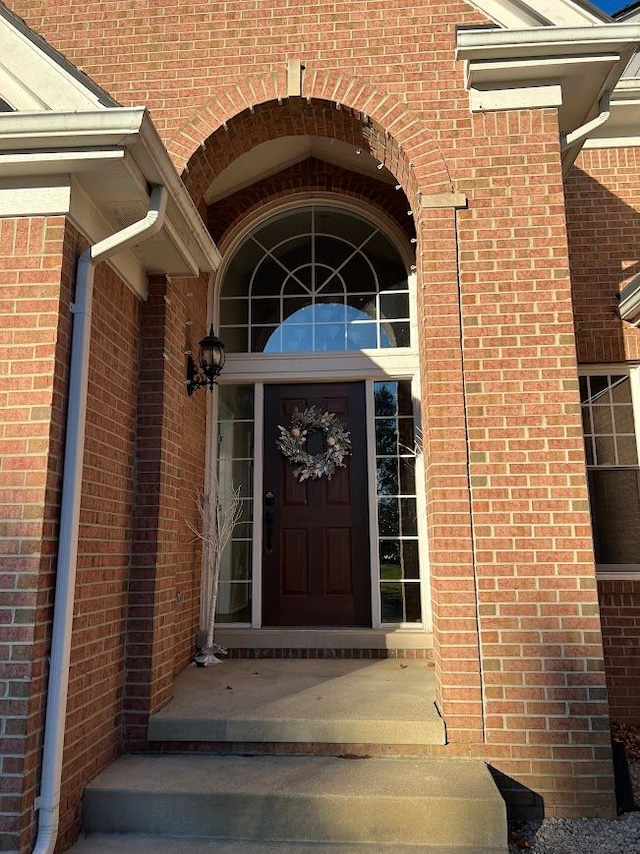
[[572, 68], [516, 14], [109, 158], [630, 302], [623, 127]]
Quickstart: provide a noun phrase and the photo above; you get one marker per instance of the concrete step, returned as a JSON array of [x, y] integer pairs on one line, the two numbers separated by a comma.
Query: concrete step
[[275, 701], [443, 803], [122, 843]]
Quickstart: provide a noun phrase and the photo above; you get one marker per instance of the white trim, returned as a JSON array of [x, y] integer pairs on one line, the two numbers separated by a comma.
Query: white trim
[[508, 13], [421, 507], [34, 76], [49, 198], [15, 164], [619, 571], [258, 505], [243, 368], [512, 98], [388, 226], [634, 380], [374, 563]]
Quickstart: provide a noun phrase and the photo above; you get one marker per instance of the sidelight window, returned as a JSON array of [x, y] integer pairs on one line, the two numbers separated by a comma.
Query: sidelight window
[[397, 513], [235, 469]]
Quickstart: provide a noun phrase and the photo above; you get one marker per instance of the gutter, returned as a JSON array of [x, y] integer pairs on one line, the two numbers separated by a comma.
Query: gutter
[[107, 131], [548, 41], [48, 802]]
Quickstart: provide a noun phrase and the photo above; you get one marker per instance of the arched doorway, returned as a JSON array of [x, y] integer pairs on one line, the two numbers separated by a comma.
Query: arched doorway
[[316, 308]]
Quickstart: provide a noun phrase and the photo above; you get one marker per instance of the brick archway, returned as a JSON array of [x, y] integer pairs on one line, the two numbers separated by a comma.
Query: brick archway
[[330, 105]]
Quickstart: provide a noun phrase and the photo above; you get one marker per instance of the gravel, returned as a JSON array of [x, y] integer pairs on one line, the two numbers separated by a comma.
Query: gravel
[[578, 836], [582, 836]]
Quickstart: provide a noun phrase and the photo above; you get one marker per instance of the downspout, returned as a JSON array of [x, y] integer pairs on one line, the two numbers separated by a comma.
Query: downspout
[[48, 802], [604, 107]]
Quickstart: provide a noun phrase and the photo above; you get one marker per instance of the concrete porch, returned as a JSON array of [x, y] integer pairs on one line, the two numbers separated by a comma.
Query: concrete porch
[[253, 755]]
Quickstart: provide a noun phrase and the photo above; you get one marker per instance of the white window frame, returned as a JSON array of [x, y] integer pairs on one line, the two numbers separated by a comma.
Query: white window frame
[[619, 571]]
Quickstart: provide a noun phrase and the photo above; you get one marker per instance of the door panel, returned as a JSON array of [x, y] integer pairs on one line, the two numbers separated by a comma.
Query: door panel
[[317, 571]]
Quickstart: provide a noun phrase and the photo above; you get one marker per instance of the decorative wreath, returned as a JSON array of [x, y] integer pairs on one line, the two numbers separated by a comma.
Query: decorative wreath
[[292, 443]]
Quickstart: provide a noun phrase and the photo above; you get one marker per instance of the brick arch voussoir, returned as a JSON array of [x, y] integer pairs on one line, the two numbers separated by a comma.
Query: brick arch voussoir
[[234, 121]]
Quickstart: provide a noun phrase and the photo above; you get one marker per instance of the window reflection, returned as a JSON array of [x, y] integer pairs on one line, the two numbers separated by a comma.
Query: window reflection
[[397, 507]]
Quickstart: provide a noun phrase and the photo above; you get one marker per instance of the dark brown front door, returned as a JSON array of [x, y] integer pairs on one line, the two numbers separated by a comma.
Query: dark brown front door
[[316, 545]]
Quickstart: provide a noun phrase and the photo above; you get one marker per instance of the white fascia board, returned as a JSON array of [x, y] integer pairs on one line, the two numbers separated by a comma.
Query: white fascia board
[[545, 41], [57, 162], [630, 302], [49, 196], [492, 73], [152, 157], [65, 130], [623, 128], [586, 61]]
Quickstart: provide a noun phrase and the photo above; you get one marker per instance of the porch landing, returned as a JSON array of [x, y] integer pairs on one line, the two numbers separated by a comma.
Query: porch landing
[[288, 703]]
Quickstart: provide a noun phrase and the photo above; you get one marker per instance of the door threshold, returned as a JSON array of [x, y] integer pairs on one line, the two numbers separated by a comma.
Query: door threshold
[[284, 642]]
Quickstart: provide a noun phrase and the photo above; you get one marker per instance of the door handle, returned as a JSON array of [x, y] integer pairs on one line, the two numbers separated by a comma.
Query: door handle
[[269, 521]]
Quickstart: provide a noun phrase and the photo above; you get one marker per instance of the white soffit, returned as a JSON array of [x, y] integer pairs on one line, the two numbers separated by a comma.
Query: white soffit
[[623, 127], [269, 158], [517, 14]]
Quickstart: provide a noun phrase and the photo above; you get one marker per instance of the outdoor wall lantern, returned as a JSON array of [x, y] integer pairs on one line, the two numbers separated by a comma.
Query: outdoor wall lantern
[[210, 363]]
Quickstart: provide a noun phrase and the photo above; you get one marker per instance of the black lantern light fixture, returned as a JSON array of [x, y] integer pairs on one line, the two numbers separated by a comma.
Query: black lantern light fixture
[[210, 363]]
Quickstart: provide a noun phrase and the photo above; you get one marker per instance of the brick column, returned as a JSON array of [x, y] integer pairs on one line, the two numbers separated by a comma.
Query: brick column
[[545, 700], [165, 575], [453, 588]]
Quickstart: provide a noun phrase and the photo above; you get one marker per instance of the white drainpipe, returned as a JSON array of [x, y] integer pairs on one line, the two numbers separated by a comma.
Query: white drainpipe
[[48, 803]]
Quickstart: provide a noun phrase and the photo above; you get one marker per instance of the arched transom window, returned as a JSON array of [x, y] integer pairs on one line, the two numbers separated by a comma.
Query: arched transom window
[[316, 278]]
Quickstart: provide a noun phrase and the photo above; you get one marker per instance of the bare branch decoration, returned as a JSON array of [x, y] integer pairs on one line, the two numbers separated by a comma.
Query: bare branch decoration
[[219, 512]]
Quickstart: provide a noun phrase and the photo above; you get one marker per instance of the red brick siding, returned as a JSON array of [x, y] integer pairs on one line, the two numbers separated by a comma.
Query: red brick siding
[[33, 339], [541, 647], [620, 612], [520, 566], [180, 58], [603, 200], [96, 678], [166, 568]]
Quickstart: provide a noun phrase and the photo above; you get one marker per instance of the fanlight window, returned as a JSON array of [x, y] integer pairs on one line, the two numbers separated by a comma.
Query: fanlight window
[[315, 279]]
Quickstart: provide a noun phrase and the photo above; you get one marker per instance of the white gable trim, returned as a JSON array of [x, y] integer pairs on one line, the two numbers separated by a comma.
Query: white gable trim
[[34, 77], [512, 14]]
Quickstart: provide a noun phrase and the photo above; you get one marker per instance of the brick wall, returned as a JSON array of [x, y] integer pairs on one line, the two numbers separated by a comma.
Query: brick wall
[[620, 610], [603, 200], [538, 619], [33, 338], [164, 600], [498, 354]]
